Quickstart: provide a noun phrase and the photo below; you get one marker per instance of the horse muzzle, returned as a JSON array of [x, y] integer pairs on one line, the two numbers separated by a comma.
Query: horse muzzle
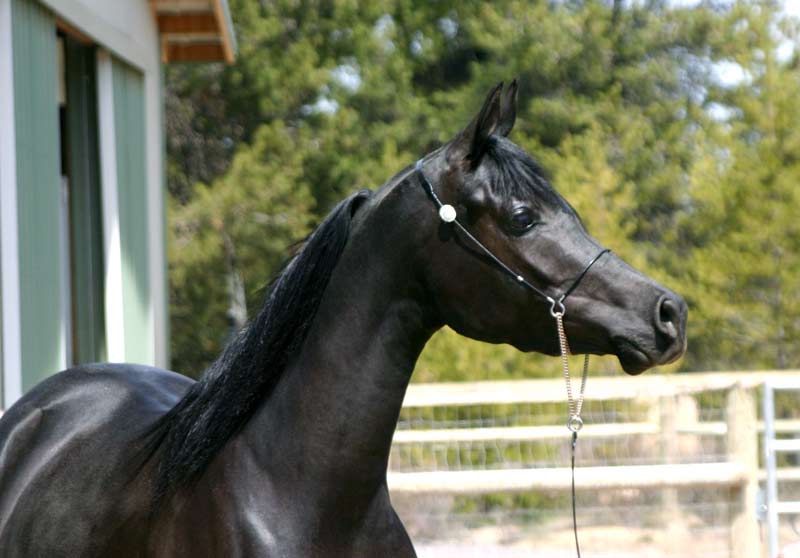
[[666, 343]]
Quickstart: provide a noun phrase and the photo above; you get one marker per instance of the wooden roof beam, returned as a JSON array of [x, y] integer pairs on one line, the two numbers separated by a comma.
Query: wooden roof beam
[[196, 22], [195, 30], [194, 52]]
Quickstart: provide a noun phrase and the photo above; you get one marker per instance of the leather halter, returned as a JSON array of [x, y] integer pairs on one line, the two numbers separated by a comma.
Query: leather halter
[[556, 302]]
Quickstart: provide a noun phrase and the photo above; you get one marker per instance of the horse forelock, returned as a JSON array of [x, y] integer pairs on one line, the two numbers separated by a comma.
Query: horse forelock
[[514, 173]]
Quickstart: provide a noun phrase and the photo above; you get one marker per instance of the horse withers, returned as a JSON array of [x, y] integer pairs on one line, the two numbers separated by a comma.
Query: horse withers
[[281, 448]]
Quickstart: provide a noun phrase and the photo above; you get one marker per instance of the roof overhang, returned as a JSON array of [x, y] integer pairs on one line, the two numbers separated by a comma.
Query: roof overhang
[[195, 30]]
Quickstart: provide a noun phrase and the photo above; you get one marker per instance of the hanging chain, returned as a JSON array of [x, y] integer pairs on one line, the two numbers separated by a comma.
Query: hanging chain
[[574, 423]]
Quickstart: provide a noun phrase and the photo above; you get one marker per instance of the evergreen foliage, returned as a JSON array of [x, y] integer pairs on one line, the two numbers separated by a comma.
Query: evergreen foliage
[[686, 173]]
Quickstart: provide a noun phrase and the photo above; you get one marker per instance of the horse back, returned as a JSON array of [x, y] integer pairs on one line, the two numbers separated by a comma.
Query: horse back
[[73, 478]]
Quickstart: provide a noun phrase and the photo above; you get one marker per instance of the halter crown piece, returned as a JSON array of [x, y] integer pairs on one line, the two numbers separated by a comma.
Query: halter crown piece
[[447, 213]]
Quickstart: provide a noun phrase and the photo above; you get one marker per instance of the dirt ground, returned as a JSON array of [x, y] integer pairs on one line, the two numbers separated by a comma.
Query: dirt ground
[[556, 541], [604, 531]]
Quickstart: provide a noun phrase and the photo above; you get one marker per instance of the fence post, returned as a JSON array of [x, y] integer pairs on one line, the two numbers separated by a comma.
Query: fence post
[[668, 441], [742, 441]]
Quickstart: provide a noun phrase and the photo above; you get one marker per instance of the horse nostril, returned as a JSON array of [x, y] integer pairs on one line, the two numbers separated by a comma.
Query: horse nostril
[[669, 315]]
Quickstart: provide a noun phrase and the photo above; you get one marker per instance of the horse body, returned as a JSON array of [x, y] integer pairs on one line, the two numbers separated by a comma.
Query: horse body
[[317, 450], [73, 485], [281, 448]]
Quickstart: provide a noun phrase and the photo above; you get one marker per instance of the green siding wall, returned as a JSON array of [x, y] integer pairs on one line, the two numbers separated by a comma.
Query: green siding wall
[[129, 129], [38, 190]]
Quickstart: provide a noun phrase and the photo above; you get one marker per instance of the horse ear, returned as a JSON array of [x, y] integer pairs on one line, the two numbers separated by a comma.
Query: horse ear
[[470, 144], [508, 109]]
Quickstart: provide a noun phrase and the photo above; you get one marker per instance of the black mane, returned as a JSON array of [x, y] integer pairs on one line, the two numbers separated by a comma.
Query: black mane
[[186, 439]]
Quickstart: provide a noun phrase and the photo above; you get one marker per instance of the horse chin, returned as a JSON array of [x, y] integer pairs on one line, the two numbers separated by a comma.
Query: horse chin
[[634, 361], [634, 368]]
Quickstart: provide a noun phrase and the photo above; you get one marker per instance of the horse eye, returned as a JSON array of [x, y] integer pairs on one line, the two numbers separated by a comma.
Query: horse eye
[[522, 219]]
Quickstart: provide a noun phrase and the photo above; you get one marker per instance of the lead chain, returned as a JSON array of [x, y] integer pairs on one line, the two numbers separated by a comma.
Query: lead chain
[[575, 422]]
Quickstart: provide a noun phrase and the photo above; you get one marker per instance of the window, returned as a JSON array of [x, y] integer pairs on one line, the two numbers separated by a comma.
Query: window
[[82, 229]]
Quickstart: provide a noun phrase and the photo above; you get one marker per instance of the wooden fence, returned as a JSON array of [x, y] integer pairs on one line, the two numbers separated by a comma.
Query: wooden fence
[[661, 393]]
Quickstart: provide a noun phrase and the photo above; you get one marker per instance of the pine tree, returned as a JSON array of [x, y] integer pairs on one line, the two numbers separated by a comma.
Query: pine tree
[[743, 228], [617, 102]]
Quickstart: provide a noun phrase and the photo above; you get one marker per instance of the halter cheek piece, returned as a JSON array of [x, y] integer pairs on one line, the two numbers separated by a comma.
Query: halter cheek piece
[[447, 213]]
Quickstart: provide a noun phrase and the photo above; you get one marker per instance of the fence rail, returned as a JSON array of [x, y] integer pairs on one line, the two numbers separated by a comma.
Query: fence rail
[[644, 387], [558, 479], [542, 433]]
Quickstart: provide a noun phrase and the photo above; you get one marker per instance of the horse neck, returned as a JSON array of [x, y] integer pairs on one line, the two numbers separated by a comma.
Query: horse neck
[[331, 419]]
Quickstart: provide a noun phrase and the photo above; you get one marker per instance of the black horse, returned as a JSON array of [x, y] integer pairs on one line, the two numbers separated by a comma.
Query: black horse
[[281, 448]]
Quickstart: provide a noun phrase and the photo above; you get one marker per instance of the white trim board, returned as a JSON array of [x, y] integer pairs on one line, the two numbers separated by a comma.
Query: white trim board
[[114, 310], [154, 138], [9, 231]]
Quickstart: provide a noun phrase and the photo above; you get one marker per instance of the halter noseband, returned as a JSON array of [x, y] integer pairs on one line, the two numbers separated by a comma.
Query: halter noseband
[[447, 213]]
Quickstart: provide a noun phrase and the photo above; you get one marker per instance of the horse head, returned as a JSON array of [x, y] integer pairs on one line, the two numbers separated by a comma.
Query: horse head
[[502, 227]]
